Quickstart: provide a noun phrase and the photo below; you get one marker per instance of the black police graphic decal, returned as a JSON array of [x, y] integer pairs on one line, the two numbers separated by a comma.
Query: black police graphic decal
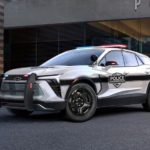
[[117, 79]]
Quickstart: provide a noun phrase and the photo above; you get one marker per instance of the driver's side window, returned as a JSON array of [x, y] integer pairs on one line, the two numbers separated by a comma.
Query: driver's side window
[[114, 58]]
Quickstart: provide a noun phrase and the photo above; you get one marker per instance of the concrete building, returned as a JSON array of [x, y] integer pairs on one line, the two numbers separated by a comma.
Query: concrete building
[[36, 30], [1, 35]]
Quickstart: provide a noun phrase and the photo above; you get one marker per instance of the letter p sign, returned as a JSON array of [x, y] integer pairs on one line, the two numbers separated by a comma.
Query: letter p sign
[[137, 4]]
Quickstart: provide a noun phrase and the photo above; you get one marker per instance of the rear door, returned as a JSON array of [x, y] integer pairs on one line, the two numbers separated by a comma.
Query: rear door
[[136, 74]]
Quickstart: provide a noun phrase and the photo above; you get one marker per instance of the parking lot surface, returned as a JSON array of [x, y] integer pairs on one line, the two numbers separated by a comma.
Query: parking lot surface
[[117, 128]]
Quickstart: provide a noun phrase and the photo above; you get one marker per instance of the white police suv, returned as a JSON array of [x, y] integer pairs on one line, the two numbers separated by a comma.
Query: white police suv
[[79, 81]]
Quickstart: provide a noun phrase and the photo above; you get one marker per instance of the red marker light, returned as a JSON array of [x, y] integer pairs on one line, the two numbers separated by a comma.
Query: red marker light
[[114, 46], [26, 75]]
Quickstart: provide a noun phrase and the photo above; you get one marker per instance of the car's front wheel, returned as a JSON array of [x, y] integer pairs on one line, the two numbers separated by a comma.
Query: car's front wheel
[[81, 102], [19, 112]]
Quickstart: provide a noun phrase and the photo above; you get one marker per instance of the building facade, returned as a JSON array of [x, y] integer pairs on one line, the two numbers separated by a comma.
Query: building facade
[[36, 30], [1, 35]]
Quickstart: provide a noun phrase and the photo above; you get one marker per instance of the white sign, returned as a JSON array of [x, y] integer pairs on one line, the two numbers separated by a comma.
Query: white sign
[[137, 4]]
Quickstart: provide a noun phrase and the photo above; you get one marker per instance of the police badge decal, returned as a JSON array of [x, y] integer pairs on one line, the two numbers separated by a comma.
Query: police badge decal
[[117, 79]]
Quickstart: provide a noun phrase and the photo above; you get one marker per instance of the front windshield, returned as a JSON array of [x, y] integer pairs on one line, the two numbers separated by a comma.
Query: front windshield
[[73, 57]]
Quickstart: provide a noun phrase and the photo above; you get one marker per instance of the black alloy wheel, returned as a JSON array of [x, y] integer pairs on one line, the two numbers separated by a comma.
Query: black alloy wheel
[[81, 102]]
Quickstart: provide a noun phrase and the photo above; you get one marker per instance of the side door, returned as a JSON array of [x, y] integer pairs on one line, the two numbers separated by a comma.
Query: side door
[[123, 85], [136, 75], [114, 67]]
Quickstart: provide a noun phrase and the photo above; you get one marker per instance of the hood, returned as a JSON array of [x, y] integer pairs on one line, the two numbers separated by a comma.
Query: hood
[[41, 71]]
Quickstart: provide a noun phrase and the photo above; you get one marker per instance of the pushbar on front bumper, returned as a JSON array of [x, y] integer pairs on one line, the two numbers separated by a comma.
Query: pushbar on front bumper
[[29, 91]]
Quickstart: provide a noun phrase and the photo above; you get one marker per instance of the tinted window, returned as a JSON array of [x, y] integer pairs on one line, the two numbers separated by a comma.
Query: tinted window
[[115, 56], [130, 59], [74, 57]]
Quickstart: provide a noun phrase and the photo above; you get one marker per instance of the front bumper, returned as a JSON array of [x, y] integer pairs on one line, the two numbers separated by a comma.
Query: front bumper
[[37, 105], [49, 100]]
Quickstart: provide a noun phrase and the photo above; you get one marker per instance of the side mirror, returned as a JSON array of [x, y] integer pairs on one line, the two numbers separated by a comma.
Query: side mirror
[[94, 58], [111, 63]]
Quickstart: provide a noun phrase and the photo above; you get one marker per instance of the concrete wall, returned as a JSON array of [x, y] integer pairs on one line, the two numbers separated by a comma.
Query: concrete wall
[[41, 12]]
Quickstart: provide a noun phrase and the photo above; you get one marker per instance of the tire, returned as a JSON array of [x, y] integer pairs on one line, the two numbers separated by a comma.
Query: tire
[[146, 105], [81, 102], [19, 112]]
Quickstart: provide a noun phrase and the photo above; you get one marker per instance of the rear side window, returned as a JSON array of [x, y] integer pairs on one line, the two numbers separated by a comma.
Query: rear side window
[[115, 56], [130, 59], [139, 61], [145, 59]]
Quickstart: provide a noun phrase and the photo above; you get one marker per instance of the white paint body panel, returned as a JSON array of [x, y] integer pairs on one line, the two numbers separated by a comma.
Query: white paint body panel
[[72, 73]]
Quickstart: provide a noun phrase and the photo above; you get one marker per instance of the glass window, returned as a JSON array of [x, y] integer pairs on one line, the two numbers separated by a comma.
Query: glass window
[[29, 46], [145, 59], [102, 62], [139, 61], [130, 59], [73, 57], [115, 56]]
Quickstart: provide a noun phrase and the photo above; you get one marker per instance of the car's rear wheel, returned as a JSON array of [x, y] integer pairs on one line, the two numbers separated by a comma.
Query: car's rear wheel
[[146, 105], [81, 102], [19, 112]]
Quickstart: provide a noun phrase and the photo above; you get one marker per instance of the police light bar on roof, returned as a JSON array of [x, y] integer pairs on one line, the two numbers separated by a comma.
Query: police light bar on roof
[[85, 48], [114, 46]]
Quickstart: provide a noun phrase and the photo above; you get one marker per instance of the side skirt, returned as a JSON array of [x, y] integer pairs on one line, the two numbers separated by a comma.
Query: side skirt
[[122, 100]]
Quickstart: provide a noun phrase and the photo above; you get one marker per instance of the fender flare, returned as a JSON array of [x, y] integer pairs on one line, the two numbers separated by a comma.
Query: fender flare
[[82, 80]]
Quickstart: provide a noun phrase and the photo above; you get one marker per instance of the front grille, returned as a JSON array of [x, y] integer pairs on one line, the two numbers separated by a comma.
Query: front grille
[[18, 89], [14, 89], [16, 77]]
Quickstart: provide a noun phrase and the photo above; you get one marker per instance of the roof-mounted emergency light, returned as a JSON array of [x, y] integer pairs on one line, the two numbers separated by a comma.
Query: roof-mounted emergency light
[[85, 48], [114, 46]]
